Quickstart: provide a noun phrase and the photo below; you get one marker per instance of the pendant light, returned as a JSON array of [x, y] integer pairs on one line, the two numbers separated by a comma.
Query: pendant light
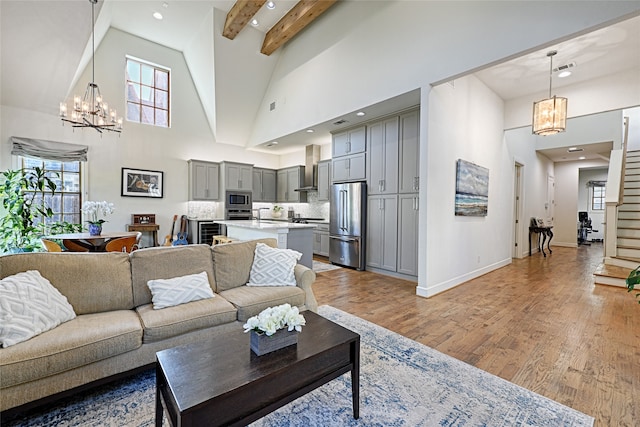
[[91, 111], [550, 115]]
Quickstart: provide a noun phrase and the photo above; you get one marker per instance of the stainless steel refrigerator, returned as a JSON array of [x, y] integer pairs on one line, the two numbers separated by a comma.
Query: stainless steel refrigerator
[[347, 224]]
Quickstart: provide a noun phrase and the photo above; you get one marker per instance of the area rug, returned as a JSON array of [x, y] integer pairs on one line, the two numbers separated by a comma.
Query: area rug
[[403, 383], [319, 267]]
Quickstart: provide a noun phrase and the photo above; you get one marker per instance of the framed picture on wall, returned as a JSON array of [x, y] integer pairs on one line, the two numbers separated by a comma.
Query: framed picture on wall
[[142, 183], [472, 189]]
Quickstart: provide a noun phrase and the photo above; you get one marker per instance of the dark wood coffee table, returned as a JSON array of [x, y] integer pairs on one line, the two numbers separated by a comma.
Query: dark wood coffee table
[[220, 381]]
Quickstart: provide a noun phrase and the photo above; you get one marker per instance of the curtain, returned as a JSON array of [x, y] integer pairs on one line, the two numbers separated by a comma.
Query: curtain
[[48, 150]]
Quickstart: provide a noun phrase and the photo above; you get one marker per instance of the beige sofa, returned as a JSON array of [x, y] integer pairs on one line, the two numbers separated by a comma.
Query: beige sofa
[[116, 329]]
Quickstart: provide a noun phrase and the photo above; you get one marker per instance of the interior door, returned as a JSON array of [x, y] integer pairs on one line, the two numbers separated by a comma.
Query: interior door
[[551, 200]]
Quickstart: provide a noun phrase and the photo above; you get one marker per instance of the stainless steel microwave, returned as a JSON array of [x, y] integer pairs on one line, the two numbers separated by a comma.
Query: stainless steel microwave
[[238, 200]]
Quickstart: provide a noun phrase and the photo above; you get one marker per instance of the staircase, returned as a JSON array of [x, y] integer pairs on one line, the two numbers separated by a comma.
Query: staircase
[[615, 269]]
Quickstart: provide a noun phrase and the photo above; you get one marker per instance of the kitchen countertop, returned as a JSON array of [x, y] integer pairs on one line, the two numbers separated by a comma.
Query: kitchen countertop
[[265, 224]]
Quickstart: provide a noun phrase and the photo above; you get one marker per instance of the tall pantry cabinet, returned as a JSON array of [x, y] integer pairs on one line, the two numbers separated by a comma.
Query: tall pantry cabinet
[[393, 151]]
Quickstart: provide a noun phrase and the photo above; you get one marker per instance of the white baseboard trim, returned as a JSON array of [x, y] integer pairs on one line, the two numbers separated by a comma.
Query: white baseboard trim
[[565, 244], [452, 283]]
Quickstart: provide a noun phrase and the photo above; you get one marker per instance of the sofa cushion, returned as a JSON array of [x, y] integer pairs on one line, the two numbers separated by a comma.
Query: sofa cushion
[[92, 282], [233, 261], [273, 266], [183, 318], [29, 306], [78, 342], [179, 290], [167, 262], [252, 300]]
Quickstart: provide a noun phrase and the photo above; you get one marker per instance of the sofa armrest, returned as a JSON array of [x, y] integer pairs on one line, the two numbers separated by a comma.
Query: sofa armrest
[[304, 279]]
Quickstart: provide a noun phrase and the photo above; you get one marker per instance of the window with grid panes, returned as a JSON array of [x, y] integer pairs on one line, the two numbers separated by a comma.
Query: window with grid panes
[[147, 93], [597, 198], [67, 200]]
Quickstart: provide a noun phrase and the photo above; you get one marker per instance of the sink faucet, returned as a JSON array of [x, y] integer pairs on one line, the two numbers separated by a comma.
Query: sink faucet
[[261, 209]]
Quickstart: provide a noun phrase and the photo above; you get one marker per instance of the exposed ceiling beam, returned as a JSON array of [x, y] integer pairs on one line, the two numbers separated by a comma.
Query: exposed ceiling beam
[[301, 15], [239, 15]]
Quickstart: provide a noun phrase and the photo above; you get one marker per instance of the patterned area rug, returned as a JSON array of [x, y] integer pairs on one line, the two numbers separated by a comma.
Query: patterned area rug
[[319, 267], [403, 383]]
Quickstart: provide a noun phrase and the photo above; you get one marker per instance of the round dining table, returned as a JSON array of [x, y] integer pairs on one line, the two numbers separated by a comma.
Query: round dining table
[[92, 243]]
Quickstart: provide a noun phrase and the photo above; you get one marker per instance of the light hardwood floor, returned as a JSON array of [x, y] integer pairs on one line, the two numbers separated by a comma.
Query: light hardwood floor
[[540, 323]]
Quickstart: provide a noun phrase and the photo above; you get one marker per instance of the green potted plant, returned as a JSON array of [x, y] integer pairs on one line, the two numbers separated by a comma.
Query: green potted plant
[[632, 280], [25, 209], [277, 211]]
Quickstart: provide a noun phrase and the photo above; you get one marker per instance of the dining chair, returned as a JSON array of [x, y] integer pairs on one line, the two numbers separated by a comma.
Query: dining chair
[[73, 246], [123, 244], [51, 246]]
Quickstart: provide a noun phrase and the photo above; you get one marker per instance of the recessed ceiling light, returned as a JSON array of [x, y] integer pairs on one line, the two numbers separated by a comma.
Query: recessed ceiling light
[[574, 149], [582, 157], [271, 5], [254, 22], [275, 142], [564, 74], [157, 15], [310, 131], [360, 113]]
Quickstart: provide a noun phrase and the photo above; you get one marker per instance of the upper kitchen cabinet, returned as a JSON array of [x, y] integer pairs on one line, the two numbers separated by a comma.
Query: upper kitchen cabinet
[[288, 180], [410, 152], [203, 180], [324, 180], [382, 149], [350, 142], [237, 176], [264, 185], [349, 168]]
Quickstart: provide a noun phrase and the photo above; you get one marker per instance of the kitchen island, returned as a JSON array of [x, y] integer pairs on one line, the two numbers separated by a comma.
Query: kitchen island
[[298, 237]]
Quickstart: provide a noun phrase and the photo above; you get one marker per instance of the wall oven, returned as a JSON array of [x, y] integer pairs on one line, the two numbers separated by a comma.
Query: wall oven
[[237, 205]]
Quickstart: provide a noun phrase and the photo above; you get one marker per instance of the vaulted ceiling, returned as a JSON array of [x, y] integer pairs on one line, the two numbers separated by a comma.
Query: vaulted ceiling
[[45, 45]]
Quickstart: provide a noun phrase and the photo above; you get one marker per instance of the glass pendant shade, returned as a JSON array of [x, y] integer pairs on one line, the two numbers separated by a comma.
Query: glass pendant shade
[[550, 116]]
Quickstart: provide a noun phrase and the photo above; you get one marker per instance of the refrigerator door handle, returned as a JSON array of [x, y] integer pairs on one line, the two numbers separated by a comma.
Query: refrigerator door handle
[[345, 239]]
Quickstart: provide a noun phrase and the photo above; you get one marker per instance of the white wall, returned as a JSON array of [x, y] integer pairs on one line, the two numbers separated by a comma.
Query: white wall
[[360, 53], [634, 128], [459, 248], [584, 199]]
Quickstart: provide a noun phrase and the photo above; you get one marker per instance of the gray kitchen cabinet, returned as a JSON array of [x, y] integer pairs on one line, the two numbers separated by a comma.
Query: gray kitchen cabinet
[[349, 142], [382, 150], [237, 176], [324, 180], [348, 168], [382, 227], [203, 180], [264, 185], [409, 152], [321, 240], [408, 214], [288, 180]]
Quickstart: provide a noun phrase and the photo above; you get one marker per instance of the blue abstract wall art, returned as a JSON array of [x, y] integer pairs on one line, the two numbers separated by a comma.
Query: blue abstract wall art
[[472, 189]]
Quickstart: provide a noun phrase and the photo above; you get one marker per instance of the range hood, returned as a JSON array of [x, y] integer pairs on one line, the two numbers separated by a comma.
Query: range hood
[[311, 157]]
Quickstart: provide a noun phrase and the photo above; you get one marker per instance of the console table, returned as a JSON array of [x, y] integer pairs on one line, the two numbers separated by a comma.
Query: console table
[[544, 232], [146, 228]]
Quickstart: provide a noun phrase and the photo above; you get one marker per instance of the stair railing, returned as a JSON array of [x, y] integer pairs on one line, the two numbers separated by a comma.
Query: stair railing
[[614, 196]]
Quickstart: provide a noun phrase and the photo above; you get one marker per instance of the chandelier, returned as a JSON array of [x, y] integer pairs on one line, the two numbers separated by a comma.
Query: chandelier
[[91, 111], [550, 115]]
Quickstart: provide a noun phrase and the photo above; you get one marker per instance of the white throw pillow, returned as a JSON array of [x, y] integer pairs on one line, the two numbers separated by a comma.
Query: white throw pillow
[[273, 266], [179, 290], [29, 306]]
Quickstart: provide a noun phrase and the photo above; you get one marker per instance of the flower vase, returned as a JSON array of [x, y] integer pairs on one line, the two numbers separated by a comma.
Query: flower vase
[[276, 214], [95, 229], [261, 343]]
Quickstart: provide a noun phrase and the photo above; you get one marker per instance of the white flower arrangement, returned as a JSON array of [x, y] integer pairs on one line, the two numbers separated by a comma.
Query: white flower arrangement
[[93, 209], [273, 318]]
